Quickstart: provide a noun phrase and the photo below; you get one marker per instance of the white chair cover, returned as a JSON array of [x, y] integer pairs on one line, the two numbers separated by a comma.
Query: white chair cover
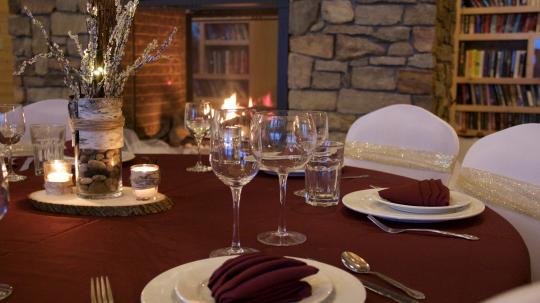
[[514, 153], [133, 144], [46, 111], [408, 127], [529, 293]]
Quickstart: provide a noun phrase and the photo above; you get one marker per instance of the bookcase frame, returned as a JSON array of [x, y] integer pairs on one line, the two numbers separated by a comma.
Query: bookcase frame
[[457, 80], [262, 70]]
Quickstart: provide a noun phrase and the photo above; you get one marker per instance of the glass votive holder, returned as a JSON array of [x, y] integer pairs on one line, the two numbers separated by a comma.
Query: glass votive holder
[[58, 177], [144, 181]]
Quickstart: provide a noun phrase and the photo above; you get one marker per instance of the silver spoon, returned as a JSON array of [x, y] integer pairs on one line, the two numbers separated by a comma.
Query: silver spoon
[[5, 291], [356, 264]]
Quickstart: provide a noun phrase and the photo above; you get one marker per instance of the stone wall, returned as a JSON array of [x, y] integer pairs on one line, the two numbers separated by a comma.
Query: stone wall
[[152, 98], [351, 57]]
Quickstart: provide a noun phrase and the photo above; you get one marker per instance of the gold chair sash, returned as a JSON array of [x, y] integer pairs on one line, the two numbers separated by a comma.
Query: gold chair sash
[[509, 193], [399, 156]]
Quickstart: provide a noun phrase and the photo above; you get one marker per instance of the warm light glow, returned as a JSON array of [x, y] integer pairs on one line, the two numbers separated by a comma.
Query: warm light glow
[[267, 100], [250, 103], [99, 71], [144, 169], [58, 167], [60, 176], [230, 103]]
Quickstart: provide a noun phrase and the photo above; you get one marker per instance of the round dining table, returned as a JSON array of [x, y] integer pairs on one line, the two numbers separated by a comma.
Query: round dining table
[[50, 257]]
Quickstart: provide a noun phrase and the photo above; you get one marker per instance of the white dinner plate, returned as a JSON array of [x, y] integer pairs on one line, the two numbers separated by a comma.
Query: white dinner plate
[[454, 205], [161, 289], [191, 286], [365, 201]]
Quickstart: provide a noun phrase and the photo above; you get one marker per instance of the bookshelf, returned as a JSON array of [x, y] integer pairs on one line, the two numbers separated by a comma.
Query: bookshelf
[[234, 55], [496, 83]]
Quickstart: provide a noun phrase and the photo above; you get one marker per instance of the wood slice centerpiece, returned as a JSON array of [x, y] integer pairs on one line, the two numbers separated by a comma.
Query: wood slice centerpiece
[[123, 206]]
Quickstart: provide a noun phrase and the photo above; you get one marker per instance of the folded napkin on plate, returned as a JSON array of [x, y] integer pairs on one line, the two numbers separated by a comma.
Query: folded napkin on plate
[[261, 278], [418, 193]]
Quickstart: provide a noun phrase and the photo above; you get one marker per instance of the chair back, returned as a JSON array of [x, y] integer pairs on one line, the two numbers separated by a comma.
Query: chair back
[[46, 111], [513, 153], [408, 127]]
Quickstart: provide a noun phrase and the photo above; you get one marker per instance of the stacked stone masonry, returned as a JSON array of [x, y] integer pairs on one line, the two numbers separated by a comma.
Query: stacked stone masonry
[[350, 57]]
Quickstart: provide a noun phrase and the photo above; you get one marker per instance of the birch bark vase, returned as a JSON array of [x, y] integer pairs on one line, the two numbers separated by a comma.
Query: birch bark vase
[[98, 126]]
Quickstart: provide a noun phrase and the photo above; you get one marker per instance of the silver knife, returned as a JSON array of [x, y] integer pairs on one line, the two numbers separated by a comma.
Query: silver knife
[[385, 292]]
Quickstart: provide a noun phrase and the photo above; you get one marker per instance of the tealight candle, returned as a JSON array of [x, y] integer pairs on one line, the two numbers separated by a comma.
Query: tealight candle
[[144, 181], [58, 177]]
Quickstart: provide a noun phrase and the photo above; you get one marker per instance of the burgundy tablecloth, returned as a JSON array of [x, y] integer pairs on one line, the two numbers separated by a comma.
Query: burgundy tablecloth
[[50, 258]]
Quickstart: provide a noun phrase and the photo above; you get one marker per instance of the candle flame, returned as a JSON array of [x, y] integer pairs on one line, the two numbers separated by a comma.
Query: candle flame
[[250, 103]]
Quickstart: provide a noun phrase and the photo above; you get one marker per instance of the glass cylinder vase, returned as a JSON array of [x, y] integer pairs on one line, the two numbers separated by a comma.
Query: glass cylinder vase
[[98, 138]]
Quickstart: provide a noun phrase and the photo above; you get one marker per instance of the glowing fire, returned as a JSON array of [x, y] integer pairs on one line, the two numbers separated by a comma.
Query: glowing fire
[[230, 103]]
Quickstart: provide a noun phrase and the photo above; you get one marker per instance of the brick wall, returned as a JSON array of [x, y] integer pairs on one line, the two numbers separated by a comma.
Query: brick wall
[[154, 99], [6, 61]]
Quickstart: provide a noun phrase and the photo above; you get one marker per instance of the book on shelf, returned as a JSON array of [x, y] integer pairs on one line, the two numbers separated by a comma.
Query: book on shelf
[[226, 31], [227, 61], [491, 63], [499, 23], [492, 121], [498, 95], [488, 3]]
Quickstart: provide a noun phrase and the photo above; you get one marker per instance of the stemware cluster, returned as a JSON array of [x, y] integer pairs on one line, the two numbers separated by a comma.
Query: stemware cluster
[[242, 141]]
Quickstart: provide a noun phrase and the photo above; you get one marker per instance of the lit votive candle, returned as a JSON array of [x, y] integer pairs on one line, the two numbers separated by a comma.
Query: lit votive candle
[[144, 181], [58, 177]]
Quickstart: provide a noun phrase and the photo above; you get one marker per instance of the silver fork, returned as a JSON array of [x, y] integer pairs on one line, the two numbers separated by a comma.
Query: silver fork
[[436, 231], [100, 290]]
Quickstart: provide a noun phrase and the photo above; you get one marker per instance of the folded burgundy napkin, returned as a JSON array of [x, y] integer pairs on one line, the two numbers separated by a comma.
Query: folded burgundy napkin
[[261, 278], [418, 193]]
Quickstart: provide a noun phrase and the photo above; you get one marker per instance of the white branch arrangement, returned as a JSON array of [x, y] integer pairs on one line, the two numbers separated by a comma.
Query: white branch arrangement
[[90, 80]]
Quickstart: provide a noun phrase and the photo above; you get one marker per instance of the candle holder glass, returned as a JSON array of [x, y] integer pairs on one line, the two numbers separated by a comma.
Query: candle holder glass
[[144, 181], [58, 177]]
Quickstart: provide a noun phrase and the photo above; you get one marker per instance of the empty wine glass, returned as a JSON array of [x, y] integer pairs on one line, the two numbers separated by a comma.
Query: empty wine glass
[[233, 163], [5, 290], [11, 131], [198, 119], [282, 142], [321, 124]]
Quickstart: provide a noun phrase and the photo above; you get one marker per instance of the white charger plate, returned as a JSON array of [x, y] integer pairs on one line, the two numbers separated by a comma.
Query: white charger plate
[[454, 204], [191, 286], [366, 202], [347, 288]]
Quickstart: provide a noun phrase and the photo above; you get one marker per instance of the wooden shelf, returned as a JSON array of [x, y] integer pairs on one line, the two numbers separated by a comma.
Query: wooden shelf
[[497, 109], [496, 36], [221, 76], [524, 81], [226, 43], [500, 10]]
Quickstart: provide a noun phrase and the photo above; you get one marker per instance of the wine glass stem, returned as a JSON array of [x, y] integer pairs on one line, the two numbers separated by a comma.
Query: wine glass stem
[[9, 156], [236, 192], [282, 225], [198, 140]]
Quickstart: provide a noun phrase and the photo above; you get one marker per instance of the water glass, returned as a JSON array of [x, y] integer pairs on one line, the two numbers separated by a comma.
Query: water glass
[[323, 174], [47, 143]]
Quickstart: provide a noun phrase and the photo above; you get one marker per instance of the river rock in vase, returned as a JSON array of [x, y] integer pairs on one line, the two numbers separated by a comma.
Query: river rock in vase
[[98, 125]]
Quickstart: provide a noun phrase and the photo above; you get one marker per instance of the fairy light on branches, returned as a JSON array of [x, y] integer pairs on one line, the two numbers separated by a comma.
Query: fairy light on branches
[[100, 73]]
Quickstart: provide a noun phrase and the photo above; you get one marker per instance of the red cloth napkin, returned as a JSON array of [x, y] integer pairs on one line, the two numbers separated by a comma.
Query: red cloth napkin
[[418, 193], [261, 278]]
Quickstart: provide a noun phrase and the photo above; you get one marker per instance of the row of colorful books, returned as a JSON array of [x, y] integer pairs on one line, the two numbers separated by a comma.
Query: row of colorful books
[[492, 63], [486, 3], [502, 23], [227, 61], [493, 121], [220, 88], [499, 94], [225, 31]]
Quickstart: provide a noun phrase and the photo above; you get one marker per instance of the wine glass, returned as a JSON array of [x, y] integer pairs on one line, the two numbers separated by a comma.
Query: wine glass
[[11, 131], [233, 163], [282, 142], [321, 124], [5, 290], [198, 119]]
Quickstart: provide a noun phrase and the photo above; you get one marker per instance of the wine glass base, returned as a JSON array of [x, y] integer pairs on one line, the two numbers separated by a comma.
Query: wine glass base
[[15, 178], [275, 238], [199, 169], [300, 193], [5, 291], [229, 251]]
